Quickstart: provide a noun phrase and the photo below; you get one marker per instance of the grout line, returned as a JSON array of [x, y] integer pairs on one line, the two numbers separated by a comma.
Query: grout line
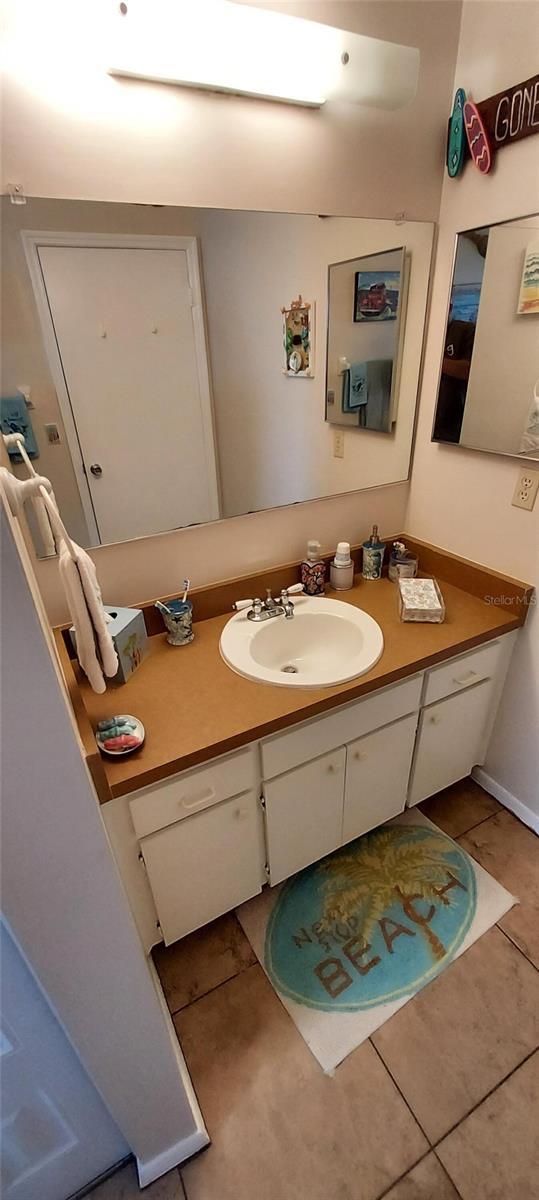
[[474, 1107], [196, 1000], [401, 1093], [483, 821], [404, 1174], [515, 944], [447, 1175]]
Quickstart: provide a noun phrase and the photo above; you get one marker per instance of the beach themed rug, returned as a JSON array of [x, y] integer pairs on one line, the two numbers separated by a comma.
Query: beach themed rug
[[347, 941]]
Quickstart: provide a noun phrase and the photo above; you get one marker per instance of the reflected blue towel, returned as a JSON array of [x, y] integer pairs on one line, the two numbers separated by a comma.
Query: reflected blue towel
[[354, 387]]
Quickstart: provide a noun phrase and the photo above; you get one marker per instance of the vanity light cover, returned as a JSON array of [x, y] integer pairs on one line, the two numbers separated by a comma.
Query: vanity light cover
[[228, 47]]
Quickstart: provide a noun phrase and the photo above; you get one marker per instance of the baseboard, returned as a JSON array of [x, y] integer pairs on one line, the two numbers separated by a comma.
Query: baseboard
[[525, 814], [152, 1168]]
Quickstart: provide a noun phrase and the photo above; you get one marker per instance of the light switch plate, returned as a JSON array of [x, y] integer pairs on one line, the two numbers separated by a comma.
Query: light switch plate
[[338, 443], [526, 489]]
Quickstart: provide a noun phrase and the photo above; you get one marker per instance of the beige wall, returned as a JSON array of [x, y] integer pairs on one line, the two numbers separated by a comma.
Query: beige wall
[[462, 499], [72, 130]]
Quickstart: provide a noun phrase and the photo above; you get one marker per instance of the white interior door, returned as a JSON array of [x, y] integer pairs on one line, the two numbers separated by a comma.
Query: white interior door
[[131, 362], [57, 1135]]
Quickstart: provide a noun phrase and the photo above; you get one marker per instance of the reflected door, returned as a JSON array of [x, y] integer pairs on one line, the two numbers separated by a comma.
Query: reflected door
[[135, 374], [57, 1135]]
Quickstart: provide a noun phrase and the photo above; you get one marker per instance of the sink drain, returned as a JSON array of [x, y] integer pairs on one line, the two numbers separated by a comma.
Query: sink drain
[[289, 669]]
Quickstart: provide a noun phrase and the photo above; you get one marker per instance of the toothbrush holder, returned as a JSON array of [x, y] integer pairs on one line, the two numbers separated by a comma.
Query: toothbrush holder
[[178, 618]]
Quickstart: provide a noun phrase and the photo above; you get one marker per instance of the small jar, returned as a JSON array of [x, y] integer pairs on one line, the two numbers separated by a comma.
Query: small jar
[[403, 563], [341, 571]]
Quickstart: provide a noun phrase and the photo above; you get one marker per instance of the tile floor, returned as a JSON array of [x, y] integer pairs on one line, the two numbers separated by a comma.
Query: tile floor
[[441, 1103]]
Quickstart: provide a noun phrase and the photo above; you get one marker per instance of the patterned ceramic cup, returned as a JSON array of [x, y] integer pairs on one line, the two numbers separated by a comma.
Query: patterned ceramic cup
[[178, 618]]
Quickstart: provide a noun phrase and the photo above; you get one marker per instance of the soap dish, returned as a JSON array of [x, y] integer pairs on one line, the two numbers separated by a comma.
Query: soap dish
[[420, 600], [119, 736]]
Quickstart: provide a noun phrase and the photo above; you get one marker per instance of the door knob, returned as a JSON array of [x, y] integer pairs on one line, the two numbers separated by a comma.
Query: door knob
[[97, 470]]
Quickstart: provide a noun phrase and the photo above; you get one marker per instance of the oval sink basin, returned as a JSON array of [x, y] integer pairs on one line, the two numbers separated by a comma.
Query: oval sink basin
[[324, 643]]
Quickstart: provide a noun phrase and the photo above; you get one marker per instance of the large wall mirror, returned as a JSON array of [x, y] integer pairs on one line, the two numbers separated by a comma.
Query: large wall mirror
[[488, 395], [174, 359]]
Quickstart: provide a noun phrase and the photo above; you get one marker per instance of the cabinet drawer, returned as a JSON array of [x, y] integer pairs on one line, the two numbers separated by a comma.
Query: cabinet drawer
[[304, 814], [204, 866], [450, 741], [284, 751], [461, 672], [377, 771], [193, 791]]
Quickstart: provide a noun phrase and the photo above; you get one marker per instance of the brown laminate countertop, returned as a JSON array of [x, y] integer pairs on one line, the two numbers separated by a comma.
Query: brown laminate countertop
[[194, 707]]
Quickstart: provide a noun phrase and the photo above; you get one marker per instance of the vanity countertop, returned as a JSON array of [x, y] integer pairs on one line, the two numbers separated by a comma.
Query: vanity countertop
[[195, 708]]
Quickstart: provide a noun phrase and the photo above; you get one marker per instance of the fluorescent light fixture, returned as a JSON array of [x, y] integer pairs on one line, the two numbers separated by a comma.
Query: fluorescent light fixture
[[228, 47]]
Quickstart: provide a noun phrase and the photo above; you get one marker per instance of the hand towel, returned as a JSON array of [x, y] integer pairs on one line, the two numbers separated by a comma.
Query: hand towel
[[95, 648], [354, 393]]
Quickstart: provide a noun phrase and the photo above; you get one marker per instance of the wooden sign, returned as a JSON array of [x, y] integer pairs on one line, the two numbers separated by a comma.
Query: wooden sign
[[490, 124], [512, 114]]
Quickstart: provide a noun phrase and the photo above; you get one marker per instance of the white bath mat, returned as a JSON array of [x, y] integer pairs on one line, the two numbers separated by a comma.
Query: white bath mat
[[346, 942]]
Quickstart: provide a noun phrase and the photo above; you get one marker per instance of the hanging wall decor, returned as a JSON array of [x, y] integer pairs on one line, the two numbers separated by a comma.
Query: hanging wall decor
[[528, 300], [298, 337], [491, 124]]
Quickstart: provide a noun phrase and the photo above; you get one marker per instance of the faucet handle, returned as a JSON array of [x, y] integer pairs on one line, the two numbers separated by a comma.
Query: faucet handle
[[294, 589], [238, 605]]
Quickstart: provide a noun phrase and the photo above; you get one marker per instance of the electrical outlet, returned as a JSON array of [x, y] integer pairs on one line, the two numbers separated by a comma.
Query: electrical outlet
[[526, 490], [338, 443], [52, 433]]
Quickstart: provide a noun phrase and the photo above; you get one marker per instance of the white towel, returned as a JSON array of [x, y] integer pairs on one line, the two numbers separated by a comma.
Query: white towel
[[95, 648]]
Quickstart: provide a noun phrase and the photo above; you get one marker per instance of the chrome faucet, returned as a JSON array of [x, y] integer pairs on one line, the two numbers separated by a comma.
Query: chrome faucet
[[263, 610]]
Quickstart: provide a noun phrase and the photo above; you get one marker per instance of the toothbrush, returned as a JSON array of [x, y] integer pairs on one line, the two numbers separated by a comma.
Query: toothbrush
[[187, 585]]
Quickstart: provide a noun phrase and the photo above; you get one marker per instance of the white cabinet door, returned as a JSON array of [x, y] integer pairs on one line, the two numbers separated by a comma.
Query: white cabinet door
[[450, 741], [377, 770], [204, 865], [304, 814]]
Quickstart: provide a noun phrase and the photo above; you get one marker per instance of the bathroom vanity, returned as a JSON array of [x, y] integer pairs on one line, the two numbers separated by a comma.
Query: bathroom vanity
[[241, 784]]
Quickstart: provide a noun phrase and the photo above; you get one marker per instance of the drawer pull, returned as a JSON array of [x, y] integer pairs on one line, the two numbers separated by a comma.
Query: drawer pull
[[360, 755], [196, 801], [435, 719], [462, 679]]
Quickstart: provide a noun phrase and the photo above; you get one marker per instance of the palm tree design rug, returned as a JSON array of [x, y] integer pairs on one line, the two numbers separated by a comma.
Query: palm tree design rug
[[350, 939]]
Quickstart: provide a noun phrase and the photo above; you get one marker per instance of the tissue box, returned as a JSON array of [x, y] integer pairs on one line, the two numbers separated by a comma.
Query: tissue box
[[128, 632], [420, 600]]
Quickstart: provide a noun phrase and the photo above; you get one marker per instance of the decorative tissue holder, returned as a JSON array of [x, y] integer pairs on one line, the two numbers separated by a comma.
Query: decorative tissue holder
[[178, 618], [128, 632], [420, 600]]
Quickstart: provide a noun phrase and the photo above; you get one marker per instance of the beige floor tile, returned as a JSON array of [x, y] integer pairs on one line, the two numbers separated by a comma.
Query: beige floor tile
[[460, 807], [280, 1128], [427, 1181], [463, 1033], [494, 1154], [203, 960], [123, 1185], [510, 851]]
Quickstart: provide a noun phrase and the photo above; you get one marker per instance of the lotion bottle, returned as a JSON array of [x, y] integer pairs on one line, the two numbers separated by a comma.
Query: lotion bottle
[[341, 571]]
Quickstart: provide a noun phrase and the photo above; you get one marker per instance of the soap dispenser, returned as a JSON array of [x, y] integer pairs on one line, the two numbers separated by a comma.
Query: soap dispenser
[[313, 570], [373, 556]]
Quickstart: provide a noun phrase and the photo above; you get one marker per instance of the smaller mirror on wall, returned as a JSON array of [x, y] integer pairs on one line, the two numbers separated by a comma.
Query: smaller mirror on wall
[[367, 299], [488, 394]]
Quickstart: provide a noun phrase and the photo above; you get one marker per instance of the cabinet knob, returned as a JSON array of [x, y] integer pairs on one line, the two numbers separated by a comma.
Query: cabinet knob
[[435, 719], [240, 814], [332, 769], [360, 755]]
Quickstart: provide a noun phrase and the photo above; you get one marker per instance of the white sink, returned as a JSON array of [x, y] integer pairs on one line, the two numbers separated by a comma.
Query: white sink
[[326, 642]]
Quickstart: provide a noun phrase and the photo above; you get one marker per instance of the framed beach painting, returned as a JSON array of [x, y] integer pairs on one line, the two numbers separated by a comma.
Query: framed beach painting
[[528, 300], [376, 295]]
